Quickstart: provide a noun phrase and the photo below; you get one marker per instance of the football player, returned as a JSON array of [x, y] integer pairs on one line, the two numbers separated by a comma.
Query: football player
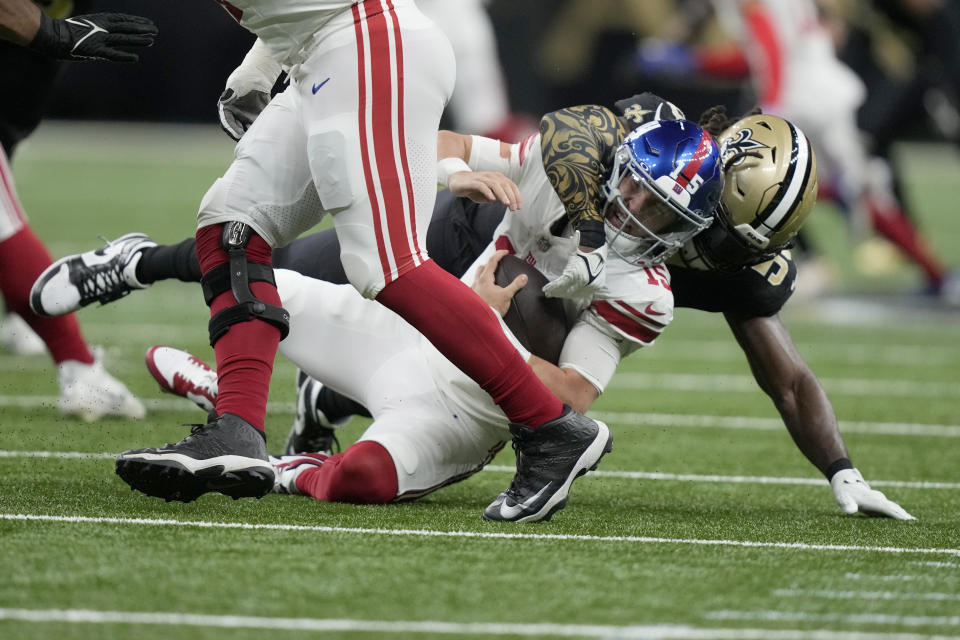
[[432, 425], [352, 135], [738, 267], [86, 388]]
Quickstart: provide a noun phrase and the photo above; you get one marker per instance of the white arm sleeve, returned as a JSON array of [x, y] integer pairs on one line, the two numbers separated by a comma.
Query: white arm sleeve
[[594, 353], [257, 72], [485, 156]]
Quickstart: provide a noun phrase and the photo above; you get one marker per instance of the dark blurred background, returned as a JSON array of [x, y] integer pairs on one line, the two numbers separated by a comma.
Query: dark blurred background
[[546, 61]]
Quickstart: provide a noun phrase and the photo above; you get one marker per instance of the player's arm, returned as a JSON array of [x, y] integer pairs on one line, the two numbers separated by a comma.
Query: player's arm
[[247, 91], [806, 411], [99, 36], [463, 168], [566, 383], [577, 144]]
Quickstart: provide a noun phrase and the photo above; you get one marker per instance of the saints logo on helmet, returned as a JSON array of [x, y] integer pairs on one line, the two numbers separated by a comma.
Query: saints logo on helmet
[[769, 190]]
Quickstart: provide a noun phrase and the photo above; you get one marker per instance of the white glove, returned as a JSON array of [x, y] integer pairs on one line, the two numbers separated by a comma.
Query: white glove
[[582, 277], [248, 90], [854, 494]]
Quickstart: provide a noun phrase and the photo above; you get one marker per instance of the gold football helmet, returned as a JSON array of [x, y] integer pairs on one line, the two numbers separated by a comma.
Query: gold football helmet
[[770, 187]]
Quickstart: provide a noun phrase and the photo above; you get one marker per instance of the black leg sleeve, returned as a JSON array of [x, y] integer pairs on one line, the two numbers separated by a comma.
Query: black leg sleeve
[[165, 262]]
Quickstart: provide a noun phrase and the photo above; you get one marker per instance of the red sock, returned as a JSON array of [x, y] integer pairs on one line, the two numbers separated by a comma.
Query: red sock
[[22, 258], [895, 226], [363, 474], [245, 353], [464, 328]]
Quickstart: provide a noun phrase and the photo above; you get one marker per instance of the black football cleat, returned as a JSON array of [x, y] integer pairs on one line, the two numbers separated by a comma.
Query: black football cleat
[[312, 431], [549, 459], [227, 455]]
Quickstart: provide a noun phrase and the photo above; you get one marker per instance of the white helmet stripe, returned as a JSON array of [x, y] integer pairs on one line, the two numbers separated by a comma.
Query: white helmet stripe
[[797, 179]]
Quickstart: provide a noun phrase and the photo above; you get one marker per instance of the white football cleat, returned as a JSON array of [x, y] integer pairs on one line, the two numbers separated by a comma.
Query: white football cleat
[[288, 468], [183, 375], [18, 338], [88, 391], [103, 275]]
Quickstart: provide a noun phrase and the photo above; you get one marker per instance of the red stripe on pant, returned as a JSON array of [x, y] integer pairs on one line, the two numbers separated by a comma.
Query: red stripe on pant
[[358, 22], [245, 353]]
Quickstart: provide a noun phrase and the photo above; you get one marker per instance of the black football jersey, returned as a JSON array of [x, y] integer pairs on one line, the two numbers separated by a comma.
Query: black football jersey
[[760, 290]]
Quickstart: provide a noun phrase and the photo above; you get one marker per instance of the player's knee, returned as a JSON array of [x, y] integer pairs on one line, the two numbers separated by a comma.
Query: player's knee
[[365, 474], [368, 281]]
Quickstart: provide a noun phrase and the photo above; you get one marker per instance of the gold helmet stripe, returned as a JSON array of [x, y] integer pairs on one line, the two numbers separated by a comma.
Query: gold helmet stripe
[[787, 199]]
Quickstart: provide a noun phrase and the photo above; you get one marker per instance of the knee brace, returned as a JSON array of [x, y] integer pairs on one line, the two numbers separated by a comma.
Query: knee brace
[[236, 276]]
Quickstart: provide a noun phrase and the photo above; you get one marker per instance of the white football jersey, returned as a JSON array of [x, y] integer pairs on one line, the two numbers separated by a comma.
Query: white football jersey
[[291, 28], [630, 311]]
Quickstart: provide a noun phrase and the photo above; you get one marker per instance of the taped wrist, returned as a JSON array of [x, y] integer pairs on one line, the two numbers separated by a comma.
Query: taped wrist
[[592, 234], [836, 466], [236, 276]]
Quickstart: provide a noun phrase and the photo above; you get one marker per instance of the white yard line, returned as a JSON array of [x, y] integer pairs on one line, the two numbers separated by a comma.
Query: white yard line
[[429, 533], [626, 475], [410, 627], [941, 565], [639, 419], [836, 594], [733, 383], [845, 618]]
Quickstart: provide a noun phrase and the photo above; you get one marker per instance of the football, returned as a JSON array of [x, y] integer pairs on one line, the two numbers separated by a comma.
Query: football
[[539, 323]]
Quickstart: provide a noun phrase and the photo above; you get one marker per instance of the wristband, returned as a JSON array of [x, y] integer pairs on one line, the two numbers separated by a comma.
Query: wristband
[[836, 466], [592, 234], [46, 40], [446, 167]]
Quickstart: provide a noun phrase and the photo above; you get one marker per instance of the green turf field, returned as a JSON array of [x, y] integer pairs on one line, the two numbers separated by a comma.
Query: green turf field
[[705, 521]]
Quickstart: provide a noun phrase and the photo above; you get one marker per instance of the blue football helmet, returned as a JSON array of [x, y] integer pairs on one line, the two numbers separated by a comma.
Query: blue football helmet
[[663, 189]]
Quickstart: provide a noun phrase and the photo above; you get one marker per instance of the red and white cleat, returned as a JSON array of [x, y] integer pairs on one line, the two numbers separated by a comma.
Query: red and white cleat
[[183, 375]]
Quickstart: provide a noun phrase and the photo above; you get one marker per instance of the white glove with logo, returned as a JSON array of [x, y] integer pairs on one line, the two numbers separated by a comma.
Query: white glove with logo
[[582, 277], [854, 494], [248, 90]]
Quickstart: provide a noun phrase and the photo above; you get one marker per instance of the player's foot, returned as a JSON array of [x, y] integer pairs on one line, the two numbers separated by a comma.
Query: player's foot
[[549, 459], [289, 468], [183, 375], [312, 431], [18, 338], [88, 391], [102, 275], [227, 455]]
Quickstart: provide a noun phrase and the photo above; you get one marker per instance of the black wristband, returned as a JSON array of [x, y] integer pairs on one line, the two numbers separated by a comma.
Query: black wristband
[[591, 234], [46, 40], [837, 465]]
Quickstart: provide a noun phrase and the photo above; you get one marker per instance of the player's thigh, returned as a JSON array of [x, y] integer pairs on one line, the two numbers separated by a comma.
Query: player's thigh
[[431, 445], [268, 185], [371, 109], [337, 336]]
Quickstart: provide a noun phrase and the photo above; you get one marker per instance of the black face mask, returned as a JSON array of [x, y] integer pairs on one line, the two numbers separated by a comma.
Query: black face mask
[[722, 248]]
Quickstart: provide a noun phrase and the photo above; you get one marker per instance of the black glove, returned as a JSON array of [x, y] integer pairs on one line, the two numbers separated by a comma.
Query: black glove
[[237, 112], [93, 37]]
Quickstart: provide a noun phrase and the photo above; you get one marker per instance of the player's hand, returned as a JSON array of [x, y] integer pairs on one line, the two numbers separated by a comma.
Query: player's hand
[[485, 285], [486, 186], [98, 36], [239, 110], [853, 494], [582, 277]]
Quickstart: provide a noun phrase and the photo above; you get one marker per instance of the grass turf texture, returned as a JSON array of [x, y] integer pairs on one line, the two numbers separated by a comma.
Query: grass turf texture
[[595, 564]]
